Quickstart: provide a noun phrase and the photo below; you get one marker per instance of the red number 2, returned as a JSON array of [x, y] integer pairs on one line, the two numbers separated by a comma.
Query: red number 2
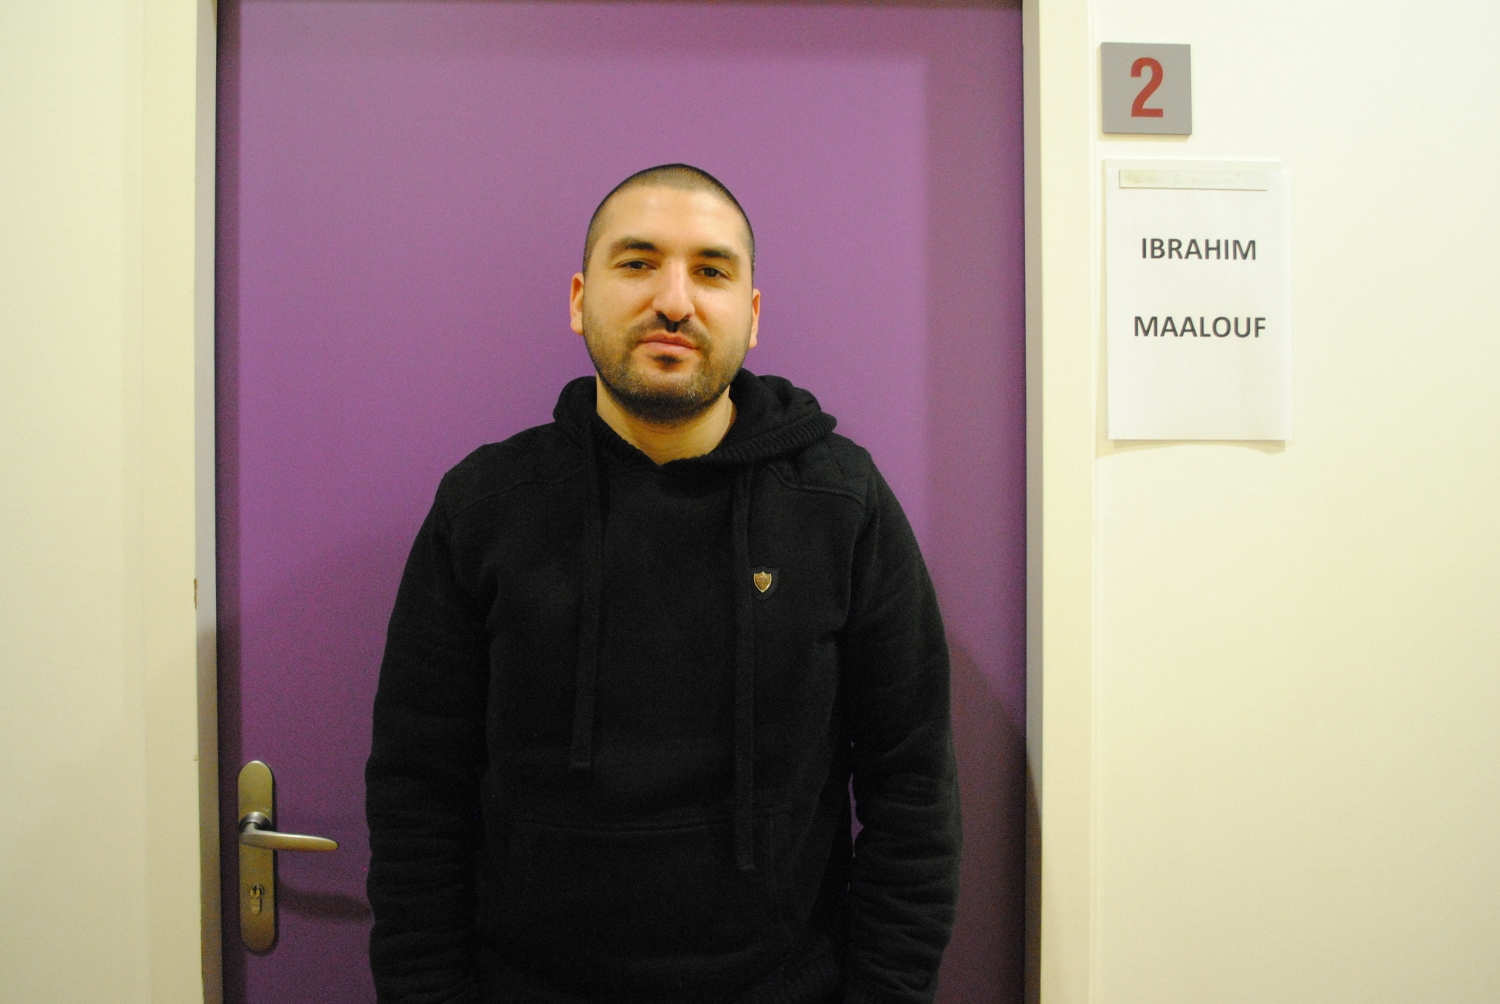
[[1138, 109]]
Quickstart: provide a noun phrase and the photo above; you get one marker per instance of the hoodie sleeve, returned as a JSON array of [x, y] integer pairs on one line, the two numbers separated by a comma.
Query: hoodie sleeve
[[905, 872], [422, 781]]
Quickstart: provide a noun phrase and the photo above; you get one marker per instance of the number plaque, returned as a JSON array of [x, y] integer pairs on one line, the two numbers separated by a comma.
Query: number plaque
[[1146, 88]]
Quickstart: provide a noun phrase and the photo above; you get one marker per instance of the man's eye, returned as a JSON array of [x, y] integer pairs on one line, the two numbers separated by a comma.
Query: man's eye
[[712, 273], [636, 264]]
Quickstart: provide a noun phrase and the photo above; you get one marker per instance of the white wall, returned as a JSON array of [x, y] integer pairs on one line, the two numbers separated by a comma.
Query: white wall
[[101, 294], [1291, 734]]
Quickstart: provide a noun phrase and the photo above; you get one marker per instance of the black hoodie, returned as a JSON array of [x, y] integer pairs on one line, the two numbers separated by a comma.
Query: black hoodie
[[618, 716]]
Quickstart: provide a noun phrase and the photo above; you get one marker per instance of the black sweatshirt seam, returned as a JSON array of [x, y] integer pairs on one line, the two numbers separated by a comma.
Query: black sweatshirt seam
[[823, 489], [495, 493]]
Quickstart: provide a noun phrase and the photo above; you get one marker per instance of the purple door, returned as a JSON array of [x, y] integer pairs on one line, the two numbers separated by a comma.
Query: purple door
[[403, 190]]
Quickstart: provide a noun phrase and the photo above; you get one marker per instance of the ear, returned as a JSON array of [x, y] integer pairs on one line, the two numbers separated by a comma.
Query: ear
[[575, 303], [754, 316]]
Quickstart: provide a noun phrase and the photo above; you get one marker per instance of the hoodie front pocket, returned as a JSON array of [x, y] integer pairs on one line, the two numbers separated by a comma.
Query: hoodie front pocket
[[642, 908]]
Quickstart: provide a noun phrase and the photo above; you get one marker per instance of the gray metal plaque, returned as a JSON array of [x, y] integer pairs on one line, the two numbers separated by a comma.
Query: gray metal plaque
[[1146, 88]]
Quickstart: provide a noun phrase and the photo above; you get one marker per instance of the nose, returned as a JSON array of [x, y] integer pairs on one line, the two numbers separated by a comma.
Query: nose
[[674, 297]]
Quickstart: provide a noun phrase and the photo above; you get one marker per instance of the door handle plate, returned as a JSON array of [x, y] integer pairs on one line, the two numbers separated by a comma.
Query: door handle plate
[[258, 843]]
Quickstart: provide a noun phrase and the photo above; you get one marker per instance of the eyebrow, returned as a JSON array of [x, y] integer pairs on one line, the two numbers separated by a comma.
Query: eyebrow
[[714, 252]]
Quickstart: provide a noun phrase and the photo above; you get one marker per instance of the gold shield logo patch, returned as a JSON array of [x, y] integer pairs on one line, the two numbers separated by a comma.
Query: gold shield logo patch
[[762, 581], [766, 580]]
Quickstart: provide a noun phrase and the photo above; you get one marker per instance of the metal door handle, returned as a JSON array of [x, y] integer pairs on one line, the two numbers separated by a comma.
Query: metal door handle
[[258, 843], [255, 831]]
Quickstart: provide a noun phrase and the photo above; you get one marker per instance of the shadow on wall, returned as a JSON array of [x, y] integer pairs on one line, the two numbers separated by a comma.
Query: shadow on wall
[[324, 905], [984, 960], [331, 613], [976, 450]]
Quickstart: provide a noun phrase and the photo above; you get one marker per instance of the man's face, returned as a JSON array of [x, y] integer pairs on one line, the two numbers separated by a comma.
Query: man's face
[[666, 306]]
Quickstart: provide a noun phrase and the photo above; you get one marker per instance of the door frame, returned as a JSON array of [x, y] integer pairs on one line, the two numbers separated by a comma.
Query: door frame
[[168, 179], [177, 147]]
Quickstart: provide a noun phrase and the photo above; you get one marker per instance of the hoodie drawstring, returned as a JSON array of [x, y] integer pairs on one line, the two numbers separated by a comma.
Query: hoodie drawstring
[[581, 757], [744, 678]]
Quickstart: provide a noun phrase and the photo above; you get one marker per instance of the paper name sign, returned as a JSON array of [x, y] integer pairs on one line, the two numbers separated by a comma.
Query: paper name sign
[[1198, 300]]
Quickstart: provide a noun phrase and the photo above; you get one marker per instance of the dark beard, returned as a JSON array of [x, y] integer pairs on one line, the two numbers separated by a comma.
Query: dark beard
[[664, 405]]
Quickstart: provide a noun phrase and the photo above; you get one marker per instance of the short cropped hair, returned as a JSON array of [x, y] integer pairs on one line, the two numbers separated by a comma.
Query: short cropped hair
[[680, 176]]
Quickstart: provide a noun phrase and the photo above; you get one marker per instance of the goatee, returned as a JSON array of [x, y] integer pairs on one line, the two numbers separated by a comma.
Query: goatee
[[672, 403]]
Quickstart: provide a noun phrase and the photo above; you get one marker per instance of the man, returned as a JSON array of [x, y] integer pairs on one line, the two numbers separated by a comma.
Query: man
[[637, 656]]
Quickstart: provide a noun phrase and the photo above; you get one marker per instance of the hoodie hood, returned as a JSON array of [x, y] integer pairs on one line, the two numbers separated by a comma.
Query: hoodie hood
[[773, 419]]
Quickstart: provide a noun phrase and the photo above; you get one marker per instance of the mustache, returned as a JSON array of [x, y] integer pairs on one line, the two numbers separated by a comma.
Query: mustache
[[685, 328]]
